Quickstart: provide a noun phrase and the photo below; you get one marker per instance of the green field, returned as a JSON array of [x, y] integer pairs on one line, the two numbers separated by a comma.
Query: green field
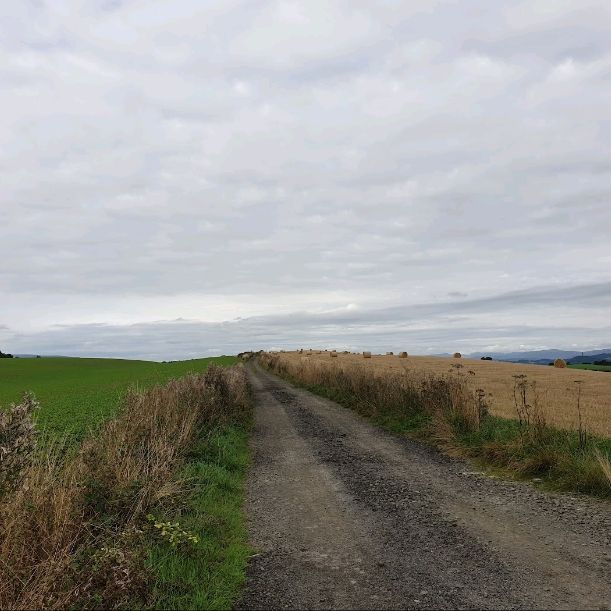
[[77, 394], [592, 367]]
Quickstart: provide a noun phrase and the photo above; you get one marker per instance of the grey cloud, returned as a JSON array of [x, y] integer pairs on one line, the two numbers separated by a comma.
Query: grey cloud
[[383, 155], [424, 328]]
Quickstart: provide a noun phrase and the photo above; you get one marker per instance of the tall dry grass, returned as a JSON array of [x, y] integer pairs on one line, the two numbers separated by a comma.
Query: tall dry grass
[[394, 393], [447, 409], [67, 530], [558, 389]]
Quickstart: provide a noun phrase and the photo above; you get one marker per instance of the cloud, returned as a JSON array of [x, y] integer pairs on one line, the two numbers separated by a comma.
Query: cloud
[[252, 158], [483, 324]]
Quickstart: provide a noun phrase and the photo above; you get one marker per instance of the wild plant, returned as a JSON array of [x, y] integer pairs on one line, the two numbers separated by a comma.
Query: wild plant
[[582, 430], [17, 441], [532, 424]]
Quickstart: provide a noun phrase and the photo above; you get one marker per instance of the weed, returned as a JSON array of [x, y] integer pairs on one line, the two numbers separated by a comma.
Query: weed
[[17, 441], [172, 532], [583, 434]]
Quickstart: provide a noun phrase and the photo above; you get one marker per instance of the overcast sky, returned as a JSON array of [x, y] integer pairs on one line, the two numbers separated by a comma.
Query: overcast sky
[[189, 177]]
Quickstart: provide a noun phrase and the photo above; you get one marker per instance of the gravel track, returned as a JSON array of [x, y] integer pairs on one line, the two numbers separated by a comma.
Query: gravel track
[[343, 515]]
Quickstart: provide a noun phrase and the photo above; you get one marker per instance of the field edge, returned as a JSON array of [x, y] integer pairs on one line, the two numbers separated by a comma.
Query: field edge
[[559, 464]]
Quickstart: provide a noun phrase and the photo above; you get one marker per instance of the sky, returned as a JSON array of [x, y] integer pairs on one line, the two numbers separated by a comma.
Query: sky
[[186, 178]]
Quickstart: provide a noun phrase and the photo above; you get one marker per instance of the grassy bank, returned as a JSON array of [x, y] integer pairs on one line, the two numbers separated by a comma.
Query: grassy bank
[[443, 410], [76, 395], [146, 513], [212, 573]]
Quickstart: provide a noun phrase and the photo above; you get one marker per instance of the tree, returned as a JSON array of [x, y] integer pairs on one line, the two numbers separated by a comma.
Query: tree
[[5, 356]]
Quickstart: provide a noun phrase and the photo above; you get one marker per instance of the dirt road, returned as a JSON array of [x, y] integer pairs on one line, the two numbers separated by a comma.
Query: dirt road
[[344, 515]]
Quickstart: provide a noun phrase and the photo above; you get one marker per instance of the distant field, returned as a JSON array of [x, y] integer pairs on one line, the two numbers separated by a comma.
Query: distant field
[[78, 394], [592, 367], [556, 388]]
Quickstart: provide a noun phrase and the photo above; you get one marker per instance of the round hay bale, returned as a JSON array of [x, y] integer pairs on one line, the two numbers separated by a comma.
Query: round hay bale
[[457, 355], [334, 354], [366, 355], [389, 353], [560, 364], [402, 355]]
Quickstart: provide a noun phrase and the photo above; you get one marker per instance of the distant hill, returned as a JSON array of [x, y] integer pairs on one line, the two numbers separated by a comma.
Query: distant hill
[[599, 356], [40, 356], [543, 357]]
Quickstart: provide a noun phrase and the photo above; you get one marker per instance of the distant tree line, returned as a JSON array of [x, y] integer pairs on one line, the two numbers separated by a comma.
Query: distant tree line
[[5, 356]]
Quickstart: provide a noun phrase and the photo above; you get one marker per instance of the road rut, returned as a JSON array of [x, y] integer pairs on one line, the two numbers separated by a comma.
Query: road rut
[[343, 515]]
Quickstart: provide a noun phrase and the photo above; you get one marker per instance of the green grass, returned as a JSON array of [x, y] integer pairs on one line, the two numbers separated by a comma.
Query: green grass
[[76, 395], [592, 367], [395, 422], [555, 457], [210, 574]]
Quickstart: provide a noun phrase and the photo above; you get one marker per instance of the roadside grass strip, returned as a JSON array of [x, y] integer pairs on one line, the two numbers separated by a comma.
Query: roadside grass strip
[[210, 573]]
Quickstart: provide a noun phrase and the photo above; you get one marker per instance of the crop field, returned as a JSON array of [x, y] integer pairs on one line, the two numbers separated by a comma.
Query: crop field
[[76, 394], [556, 390]]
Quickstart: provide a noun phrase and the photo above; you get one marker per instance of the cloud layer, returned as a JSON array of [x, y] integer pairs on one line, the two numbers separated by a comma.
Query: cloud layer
[[340, 172]]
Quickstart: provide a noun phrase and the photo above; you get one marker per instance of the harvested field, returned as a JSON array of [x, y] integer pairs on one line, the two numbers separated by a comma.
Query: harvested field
[[555, 388]]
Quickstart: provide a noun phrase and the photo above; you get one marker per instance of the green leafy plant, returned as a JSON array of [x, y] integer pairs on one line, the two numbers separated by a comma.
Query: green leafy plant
[[172, 532]]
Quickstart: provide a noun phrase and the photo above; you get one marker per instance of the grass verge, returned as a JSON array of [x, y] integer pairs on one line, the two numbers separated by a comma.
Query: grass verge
[[74, 527], [441, 410], [211, 574]]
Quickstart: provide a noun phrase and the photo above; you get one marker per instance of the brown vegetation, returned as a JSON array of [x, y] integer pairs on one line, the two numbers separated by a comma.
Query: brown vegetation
[[67, 529], [447, 409], [556, 388]]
